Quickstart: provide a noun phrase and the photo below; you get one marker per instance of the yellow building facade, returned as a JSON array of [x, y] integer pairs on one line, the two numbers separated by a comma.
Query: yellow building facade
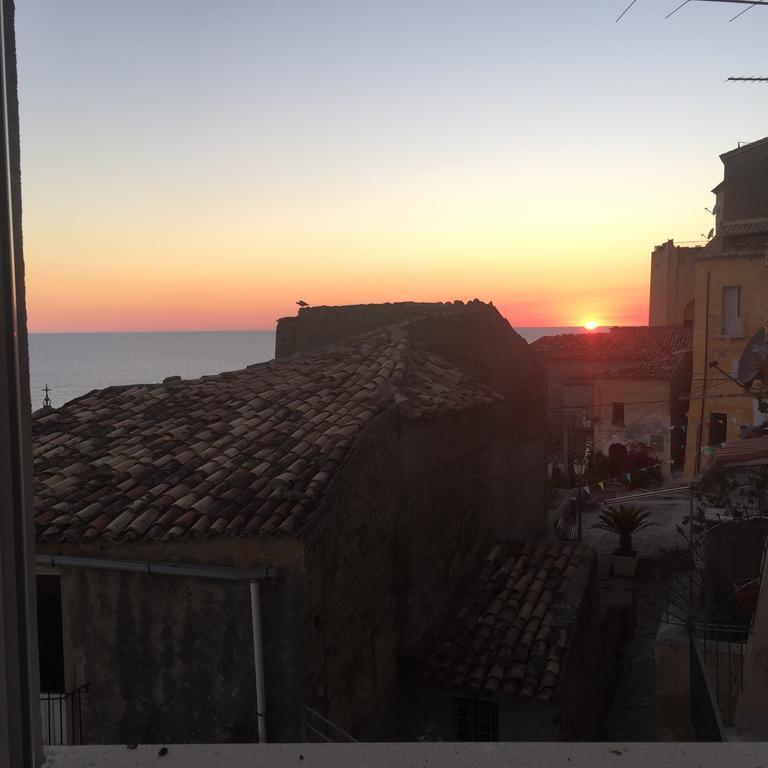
[[731, 302], [730, 306]]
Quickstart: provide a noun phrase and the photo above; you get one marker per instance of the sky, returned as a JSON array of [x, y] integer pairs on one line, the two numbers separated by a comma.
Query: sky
[[202, 165]]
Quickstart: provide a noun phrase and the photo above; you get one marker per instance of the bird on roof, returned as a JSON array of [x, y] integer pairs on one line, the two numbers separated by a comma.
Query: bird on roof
[[302, 303]]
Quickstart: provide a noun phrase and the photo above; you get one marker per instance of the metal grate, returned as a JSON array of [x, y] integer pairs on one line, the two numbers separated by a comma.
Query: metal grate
[[320, 728], [62, 717], [476, 719]]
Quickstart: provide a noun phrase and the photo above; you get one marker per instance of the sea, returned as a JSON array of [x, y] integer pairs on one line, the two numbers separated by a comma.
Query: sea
[[73, 364]]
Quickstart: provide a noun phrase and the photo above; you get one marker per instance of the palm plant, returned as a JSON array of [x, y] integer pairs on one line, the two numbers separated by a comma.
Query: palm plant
[[624, 520]]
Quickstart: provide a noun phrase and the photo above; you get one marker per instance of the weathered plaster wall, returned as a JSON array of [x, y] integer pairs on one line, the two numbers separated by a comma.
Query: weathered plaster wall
[[171, 658], [165, 658], [722, 395], [570, 387], [647, 412]]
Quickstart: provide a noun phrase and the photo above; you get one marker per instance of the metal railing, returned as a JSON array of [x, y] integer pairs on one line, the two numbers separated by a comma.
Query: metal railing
[[320, 728], [705, 713], [717, 677], [62, 717]]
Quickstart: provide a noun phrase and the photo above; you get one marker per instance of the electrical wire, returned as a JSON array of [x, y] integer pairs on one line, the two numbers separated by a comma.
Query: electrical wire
[[533, 465]]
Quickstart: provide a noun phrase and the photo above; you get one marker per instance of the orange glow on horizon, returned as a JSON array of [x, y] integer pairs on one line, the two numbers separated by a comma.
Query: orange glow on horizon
[[591, 325]]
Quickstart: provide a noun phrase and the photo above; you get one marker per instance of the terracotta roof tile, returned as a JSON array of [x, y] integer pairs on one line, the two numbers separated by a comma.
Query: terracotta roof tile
[[246, 452], [639, 343], [504, 639], [660, 369], [750, 450]]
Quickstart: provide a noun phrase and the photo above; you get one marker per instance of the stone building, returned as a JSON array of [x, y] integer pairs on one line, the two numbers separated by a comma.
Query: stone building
[[314, 327], [672, 284], [731, 290], [575, 362], [295, 528], [518, 659], [644, 404]]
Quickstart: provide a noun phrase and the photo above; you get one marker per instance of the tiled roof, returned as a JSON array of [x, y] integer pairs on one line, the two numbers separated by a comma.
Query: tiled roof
[[661, 369], [752, 450], [247, 452], [620, 343], [752, 227], [512, 634]]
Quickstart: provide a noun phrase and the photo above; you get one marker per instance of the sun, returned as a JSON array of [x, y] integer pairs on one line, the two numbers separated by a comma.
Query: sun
[[590, 325]]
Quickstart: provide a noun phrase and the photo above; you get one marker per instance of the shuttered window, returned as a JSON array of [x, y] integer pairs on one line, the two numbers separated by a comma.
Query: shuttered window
[[731, 315]]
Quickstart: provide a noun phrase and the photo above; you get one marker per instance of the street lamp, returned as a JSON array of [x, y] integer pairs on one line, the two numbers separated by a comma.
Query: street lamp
[[579, 467]]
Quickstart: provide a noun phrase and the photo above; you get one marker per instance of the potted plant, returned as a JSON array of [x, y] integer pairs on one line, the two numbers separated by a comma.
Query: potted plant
[[624, 520]]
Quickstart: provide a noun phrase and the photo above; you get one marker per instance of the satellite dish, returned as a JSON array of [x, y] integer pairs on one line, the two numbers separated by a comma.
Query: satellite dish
[[753, 360]]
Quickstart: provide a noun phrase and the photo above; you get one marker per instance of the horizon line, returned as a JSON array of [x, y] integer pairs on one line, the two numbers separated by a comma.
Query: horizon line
[[274, 329]]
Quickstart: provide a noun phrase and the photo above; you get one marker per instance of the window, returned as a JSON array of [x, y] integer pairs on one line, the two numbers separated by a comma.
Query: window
[[718, 428], [476, 720], [731, 313], [618, 414]]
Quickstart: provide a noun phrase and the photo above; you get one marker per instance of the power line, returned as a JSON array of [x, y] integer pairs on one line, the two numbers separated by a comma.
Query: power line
[[533, 465], [741, 13], [625, 10]]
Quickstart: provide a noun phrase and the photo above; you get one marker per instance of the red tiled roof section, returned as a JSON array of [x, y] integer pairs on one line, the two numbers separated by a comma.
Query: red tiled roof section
[[622, 343], [508, 638], [661, 369], [747, 450], [246, 452]]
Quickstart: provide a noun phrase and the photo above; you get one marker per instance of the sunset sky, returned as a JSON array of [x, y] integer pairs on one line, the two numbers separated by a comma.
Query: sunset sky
[[202, 165]]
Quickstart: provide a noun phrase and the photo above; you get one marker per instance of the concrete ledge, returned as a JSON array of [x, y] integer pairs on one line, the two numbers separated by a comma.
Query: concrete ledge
[[427, 755]]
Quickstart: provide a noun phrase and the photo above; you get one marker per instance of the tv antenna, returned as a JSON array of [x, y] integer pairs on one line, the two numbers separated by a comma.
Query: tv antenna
[[749, 3]]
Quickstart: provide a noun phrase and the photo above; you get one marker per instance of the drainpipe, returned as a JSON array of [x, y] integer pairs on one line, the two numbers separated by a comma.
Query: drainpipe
[[147, 567], [258, 662]]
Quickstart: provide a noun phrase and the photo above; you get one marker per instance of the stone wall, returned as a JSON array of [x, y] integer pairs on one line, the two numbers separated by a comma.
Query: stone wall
[[170, 659], [392, 547], [316, 327], [672, 283], [352, 612], [469, 479], [165, 658], [581, 696]]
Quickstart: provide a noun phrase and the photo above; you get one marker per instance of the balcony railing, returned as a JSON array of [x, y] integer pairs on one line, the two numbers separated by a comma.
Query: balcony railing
[[717, 679], [62, 717]]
